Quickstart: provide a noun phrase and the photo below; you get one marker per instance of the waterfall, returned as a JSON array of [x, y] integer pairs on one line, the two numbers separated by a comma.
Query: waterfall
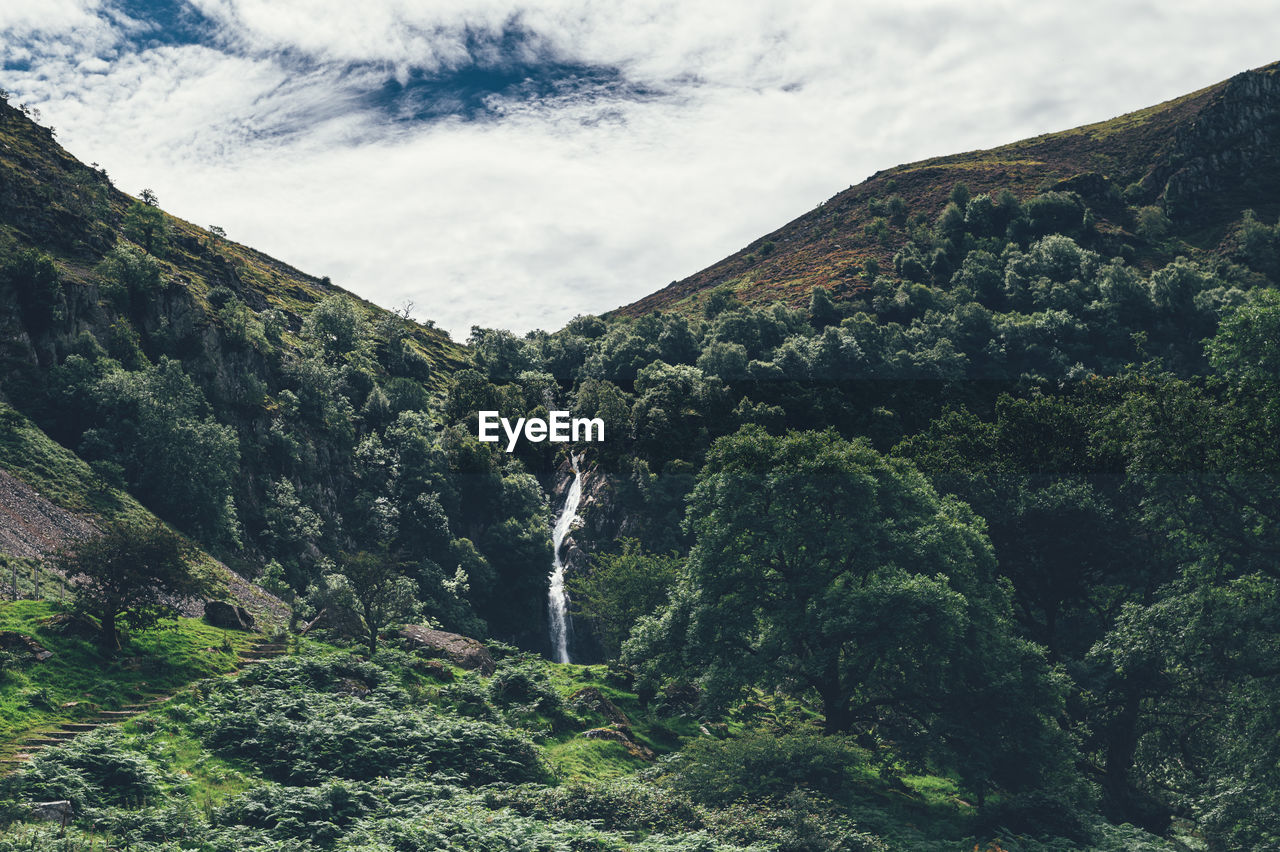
[[561, 625]]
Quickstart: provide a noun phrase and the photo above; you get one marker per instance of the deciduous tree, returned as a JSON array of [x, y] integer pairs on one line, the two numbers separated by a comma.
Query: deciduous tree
[[133, 573]]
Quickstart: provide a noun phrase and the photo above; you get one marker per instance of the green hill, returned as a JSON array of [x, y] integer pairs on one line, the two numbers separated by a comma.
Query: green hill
[[944, 518], [227, 391], [1200, 159]]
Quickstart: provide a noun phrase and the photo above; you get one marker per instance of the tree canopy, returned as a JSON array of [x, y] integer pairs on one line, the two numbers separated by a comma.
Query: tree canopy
[[133, 573]]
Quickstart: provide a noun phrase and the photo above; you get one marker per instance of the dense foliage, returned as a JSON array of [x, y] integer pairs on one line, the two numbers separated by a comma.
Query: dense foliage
[[326, 751], [1001, 512]]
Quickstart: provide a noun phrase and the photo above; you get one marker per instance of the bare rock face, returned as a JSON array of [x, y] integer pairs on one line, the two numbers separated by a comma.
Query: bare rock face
[[1231, 150], [228, 616], [462, 651]]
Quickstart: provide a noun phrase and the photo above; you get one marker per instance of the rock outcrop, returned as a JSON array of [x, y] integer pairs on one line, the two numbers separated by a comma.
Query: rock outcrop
[[622, 735], [20, 643], [60, 811], [591, 699], [228, 616], [1230, 154], [462, 651]]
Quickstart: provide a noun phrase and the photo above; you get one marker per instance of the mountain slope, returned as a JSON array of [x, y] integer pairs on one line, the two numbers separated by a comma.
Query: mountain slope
[[279, 421], [1202, 159], [50, 499], [51, 201]]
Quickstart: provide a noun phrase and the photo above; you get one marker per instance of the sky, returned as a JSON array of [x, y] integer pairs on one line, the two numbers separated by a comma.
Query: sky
[[514, 164]]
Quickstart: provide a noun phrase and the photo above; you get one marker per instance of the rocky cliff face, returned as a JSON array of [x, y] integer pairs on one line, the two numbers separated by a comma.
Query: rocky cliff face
[[601, 520], [602, 516], [1229, 156]]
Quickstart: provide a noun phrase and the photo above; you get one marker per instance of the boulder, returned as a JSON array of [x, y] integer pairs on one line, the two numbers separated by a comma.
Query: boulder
[[352, 687], [59, 811], [462, 651], [435, 669], [20, 643], [591, 699], [621, 734], [228, 616]]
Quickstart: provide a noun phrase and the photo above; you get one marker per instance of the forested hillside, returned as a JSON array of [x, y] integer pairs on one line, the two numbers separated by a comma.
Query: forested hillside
[[973, 543], [275, 418], [1185, 169]]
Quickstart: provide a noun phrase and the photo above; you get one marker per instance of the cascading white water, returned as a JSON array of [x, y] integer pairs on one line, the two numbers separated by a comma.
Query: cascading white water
[[561, 625]]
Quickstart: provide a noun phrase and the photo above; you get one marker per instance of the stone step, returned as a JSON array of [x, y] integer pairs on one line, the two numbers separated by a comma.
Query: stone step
[[117, 714], [146, 705], [79, 727], [44, 741]]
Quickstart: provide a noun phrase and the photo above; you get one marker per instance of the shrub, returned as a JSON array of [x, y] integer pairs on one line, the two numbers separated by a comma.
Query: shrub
[[622, 805], [762, 766], [93, 770], [319, 815], [300, 737]]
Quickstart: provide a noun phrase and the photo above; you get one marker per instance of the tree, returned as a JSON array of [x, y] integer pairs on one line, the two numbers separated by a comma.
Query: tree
[[1205, 456], [133, 573], [1151, 223], [380, 594], [823, 569], [1058, 517], [822, 311], [1184, 694], [337, 329], [129, 277], [817, 562], [38, 284], [144, 223], [620, 589], [156, 424]]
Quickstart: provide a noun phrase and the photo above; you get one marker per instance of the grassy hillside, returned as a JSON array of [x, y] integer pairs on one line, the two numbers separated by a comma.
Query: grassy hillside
[[224, 390], [77, 682], [328, 751], [1201, 159], [52, 202], [977, 554]]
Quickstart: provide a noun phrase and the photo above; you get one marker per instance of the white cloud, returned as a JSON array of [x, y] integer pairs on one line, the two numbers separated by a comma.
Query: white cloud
[[565, 206]]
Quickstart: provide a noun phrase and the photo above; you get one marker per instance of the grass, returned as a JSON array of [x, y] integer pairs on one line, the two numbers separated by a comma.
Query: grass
[[575, 758], [57, 473], [215, 780], [578, 759], [78, 680]]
